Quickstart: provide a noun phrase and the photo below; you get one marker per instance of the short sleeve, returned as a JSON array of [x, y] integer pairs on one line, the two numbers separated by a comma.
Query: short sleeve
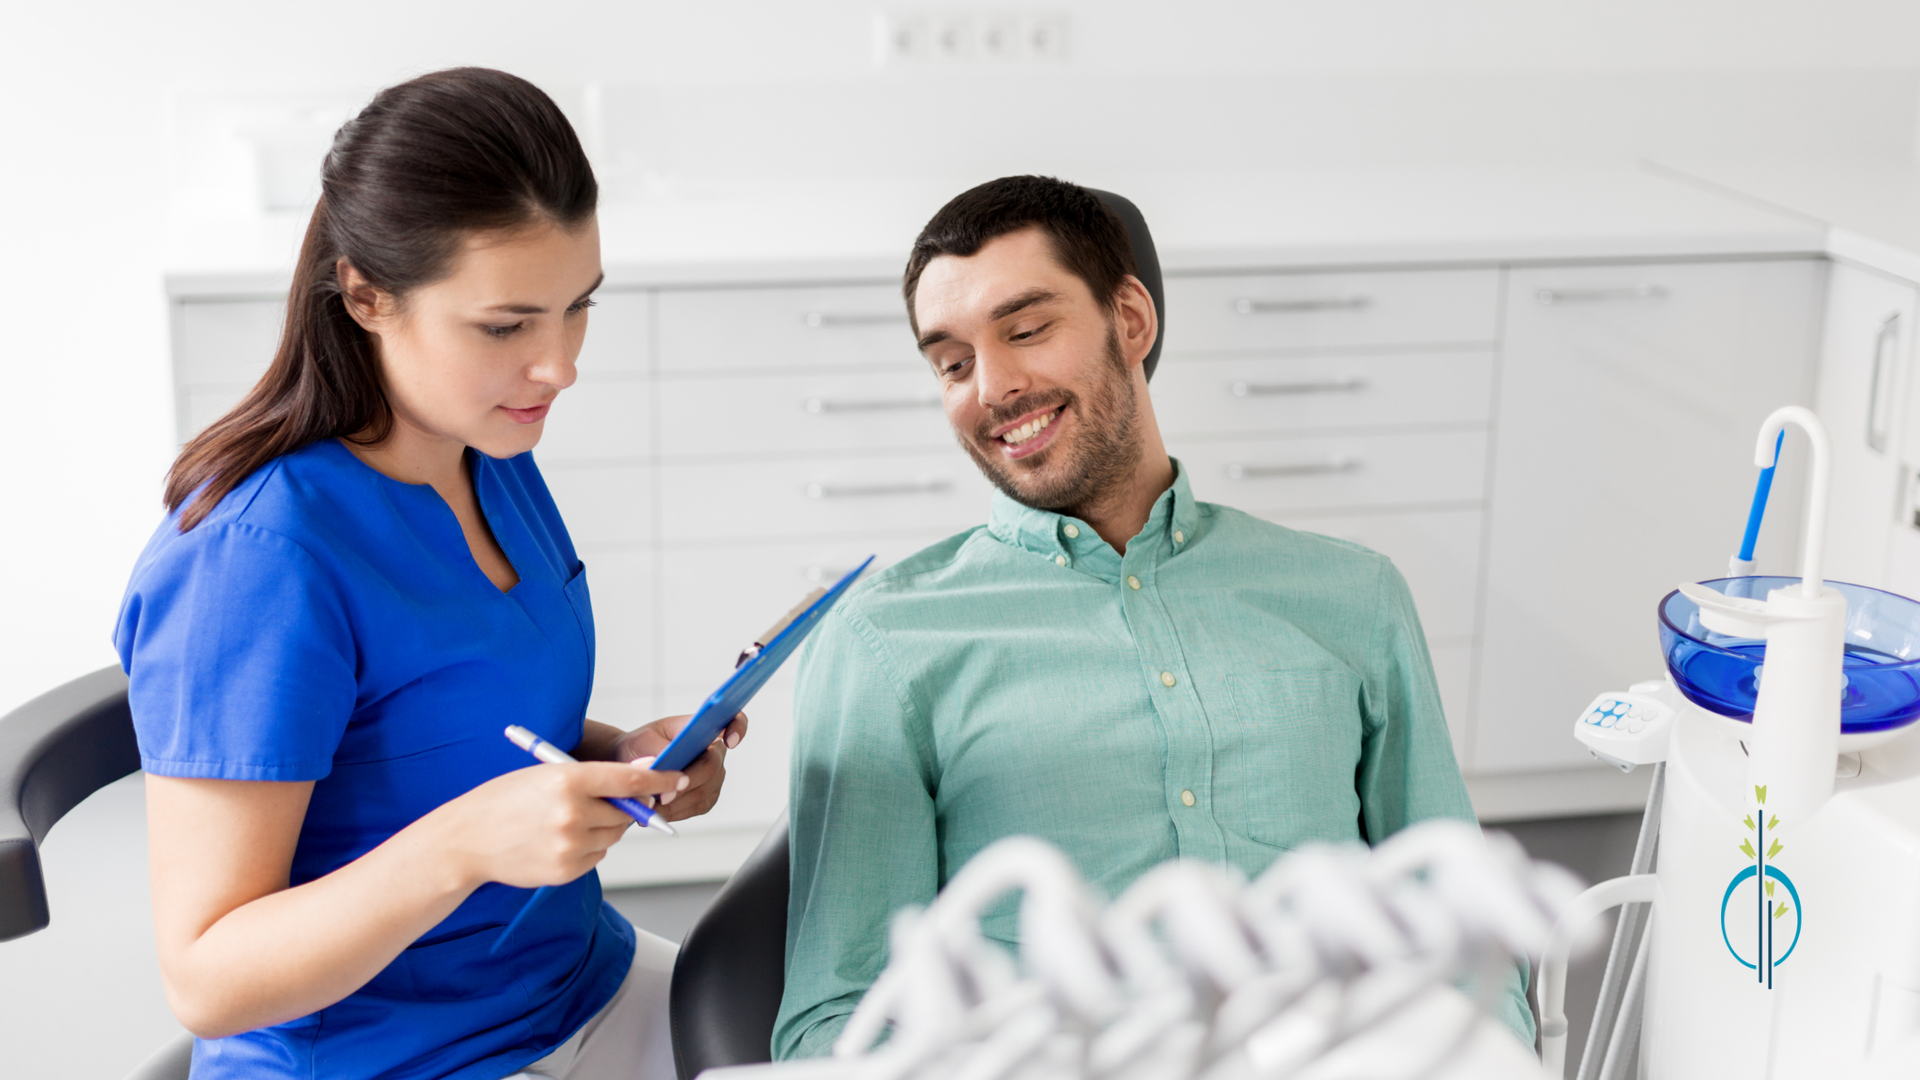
[[239, 655]]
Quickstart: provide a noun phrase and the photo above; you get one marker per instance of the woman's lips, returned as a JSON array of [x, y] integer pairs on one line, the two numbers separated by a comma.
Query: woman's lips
[[528, 416]]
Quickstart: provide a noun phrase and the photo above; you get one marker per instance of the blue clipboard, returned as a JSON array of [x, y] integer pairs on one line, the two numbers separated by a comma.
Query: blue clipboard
[[755, 667]]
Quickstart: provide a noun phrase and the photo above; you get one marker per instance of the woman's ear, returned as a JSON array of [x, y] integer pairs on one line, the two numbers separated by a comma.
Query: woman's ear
[[369, 305]]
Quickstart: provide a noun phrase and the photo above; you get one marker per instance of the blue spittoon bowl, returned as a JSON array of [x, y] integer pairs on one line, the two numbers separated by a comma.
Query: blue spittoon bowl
[[1721, 673]]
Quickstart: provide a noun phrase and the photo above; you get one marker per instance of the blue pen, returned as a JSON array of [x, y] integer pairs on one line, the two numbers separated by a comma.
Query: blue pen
[[553, 755]]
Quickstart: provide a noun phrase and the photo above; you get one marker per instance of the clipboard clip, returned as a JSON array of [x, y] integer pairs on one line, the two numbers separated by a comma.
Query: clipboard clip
[[760, 641]]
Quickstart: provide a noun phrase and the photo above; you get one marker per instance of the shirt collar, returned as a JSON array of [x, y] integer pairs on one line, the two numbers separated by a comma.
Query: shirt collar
[[1171, 528]]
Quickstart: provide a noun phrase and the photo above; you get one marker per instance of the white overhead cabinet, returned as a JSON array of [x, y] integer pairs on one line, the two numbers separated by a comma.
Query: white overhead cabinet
[[1629, 400]]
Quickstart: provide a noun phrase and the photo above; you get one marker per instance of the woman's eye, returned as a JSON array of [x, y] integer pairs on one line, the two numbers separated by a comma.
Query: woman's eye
[[582, 306], [501, 331]]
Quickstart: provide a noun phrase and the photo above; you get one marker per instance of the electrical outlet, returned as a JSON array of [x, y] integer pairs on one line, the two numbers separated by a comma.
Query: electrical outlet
[[959, 36]]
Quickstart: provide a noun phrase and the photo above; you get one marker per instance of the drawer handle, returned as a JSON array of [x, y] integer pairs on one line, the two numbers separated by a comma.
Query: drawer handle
[[1246, 305], [1324, 386], [1884, 341], [870, 491], [1643, 291], [828, 319], [1327, 466], [822, 406]]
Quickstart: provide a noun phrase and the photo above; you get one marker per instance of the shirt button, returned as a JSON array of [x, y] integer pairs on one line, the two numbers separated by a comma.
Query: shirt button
[[1187, 797], [1179, 537], [1059, 560], [1167, 678], [1133, 581], [1072, 531]]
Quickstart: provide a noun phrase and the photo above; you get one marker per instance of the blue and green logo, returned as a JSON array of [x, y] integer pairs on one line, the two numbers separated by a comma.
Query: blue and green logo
[[1757, 889]]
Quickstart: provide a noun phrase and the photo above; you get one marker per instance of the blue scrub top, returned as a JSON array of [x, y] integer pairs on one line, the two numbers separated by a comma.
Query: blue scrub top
[[327, 623]]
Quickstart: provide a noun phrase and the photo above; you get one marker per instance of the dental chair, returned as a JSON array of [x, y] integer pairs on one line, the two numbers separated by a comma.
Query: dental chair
[[55, 751], [731, 971]]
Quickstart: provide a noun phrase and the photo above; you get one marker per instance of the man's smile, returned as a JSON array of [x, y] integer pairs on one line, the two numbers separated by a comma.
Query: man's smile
[[1029, 434]]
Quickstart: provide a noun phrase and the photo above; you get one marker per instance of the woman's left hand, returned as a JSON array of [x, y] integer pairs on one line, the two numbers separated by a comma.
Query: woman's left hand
[[705, 775]]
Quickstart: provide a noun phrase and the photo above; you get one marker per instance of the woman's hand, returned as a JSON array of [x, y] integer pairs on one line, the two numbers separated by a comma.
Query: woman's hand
[[548, 824], [705, 775]]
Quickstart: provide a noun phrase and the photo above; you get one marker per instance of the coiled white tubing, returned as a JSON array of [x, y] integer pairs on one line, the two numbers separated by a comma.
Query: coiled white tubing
[[1334, 962]]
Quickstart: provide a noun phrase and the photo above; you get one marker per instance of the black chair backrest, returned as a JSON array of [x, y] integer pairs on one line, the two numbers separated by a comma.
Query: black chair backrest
[[731, 970], [55, 751], [1146, 261]]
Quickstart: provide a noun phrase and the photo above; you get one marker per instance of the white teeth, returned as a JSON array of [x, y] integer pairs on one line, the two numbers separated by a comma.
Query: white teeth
[[1027, 430]]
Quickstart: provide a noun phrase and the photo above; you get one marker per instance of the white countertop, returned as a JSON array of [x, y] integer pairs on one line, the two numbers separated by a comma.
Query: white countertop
[[1871, 209], [860, 228]]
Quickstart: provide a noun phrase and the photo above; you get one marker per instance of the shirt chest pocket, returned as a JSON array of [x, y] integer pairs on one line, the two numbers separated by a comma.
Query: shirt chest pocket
[[1285, 758], [582, 604]]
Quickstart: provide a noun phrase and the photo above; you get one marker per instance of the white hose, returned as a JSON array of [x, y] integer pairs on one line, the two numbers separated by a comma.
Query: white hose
[[1552, 991]]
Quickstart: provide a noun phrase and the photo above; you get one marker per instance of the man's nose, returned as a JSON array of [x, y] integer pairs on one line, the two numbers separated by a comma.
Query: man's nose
[[998, 376]]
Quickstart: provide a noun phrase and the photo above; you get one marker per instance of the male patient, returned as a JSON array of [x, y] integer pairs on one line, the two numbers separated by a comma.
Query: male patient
[[1107, 664]]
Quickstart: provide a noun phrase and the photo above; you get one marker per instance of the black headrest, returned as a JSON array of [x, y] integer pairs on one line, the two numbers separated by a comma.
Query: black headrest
[[1147, 262]]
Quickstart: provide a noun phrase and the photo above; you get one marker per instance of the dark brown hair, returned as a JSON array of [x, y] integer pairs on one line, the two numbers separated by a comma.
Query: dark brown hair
[[1087, 237], [425, 164]]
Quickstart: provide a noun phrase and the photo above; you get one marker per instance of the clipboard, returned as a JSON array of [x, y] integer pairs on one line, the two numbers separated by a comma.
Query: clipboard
[[755, 666]]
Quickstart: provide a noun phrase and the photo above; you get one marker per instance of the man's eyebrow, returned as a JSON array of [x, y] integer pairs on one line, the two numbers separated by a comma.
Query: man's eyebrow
[[1035, 295], [535, 309]]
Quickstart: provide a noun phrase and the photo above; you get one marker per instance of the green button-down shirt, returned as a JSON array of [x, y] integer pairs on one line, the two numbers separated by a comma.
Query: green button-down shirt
[[1226, 690]]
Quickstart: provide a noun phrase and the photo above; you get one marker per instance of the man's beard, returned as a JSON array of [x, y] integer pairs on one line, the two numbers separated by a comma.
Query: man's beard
[[1104, 453]]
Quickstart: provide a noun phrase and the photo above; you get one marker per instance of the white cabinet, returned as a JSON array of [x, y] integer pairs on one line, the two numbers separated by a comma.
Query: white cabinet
[[1865, 360], [1542, 452], [1629, 400]]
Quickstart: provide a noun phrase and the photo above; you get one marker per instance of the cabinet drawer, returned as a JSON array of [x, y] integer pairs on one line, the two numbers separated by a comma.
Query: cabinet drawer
[[1305, 311], [1437, 551], [600, 418], [621, 585], [716, 599], [618, 329], [225, 341], [603, 504], [1241, 395], [737, 329], [1272, 477], [787, 414], [913, 493]]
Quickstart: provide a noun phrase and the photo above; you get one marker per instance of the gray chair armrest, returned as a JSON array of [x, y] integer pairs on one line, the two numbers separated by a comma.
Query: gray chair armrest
[[171, 1062], [55, 751], [731, 972]]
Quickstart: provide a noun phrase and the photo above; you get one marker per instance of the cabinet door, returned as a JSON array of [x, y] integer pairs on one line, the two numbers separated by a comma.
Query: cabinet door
[[1863, 375], [1629, 400]]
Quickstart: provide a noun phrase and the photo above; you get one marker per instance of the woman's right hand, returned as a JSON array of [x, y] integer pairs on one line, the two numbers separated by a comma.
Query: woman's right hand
[[546, 824]]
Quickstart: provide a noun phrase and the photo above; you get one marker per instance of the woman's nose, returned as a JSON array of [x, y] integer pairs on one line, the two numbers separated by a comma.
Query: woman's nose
[[556, 366]]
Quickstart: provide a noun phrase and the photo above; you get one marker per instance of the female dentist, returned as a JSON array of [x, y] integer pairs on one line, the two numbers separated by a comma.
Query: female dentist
[[361, 582]]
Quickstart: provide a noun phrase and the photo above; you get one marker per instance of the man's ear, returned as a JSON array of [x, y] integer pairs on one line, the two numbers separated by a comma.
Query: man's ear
[[1138, 322], [369, 305]]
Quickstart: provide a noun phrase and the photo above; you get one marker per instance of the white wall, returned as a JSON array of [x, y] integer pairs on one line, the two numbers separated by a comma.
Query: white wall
[[102, 148], [102, 95]]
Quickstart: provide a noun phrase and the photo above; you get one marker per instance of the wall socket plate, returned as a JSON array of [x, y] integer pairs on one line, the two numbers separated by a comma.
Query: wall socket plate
[[910, 38]]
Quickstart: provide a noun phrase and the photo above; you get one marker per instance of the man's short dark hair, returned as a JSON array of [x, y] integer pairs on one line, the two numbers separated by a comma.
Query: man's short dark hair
[[1088, 238]]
